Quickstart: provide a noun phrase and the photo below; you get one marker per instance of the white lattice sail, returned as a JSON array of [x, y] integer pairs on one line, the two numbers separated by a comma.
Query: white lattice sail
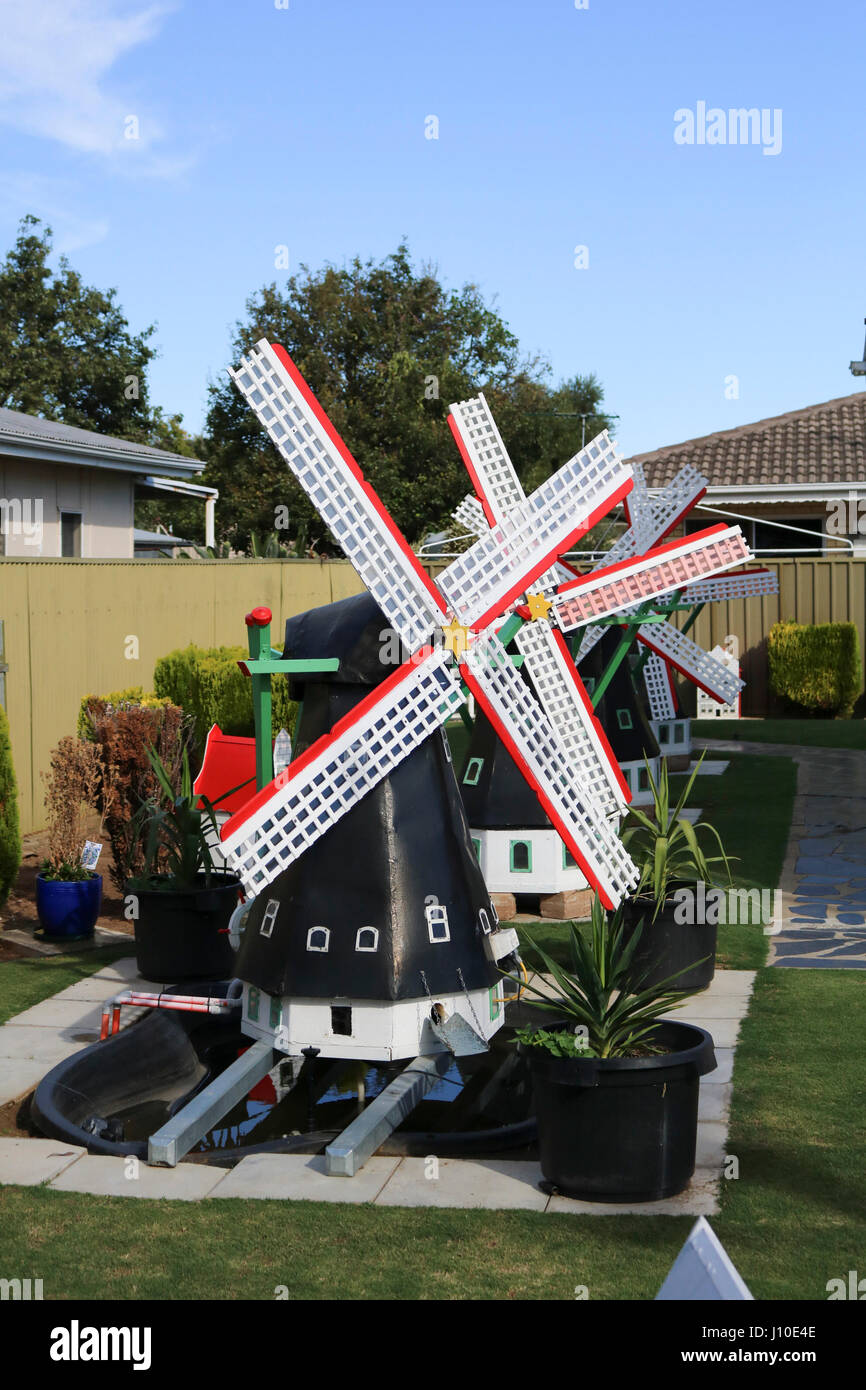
[[658, 686], [470, 515], [302, 803], [617, 588], [748, 584], [511, 556], [567, 706], [523, 727], [329, 475], [691, 661]]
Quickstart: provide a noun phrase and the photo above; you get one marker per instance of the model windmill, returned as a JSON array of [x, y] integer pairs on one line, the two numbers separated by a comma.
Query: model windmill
[[628, 591], [376, 979]]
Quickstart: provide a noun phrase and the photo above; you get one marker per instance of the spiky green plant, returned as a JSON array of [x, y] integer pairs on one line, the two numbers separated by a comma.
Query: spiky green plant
[[176, 849], [612, 1014], [665, 846]]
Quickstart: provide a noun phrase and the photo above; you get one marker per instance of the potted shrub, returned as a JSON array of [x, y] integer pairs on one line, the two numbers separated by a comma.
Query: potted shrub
[[68, 895], [666, 848], [615, 1084], [180, 903]]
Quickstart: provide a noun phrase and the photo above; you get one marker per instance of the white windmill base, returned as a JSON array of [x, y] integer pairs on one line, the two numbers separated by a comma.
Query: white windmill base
[[379, 1030], [635, 775], [674, 738], [526, 861]]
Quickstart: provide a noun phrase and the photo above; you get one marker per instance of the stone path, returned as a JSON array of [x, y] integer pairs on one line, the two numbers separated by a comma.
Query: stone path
[[823, 886], [31, 1043]]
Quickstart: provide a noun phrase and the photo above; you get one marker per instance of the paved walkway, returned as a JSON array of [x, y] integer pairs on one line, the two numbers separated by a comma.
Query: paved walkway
[[823, 886], [32, 1042]]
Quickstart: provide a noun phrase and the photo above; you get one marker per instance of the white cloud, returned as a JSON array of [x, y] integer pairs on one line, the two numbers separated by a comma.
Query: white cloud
[[55, 62], [53, 201]]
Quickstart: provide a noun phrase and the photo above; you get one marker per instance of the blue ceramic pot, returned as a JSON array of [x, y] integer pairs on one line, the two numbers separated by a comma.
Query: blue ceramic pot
[[68, 909]]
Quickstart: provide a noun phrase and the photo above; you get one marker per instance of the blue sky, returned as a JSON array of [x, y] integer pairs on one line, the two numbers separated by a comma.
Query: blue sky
[[304, 126]]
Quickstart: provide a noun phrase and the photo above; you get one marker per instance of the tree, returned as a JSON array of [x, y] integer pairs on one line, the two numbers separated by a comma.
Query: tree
[[385, 348], [67, 352]]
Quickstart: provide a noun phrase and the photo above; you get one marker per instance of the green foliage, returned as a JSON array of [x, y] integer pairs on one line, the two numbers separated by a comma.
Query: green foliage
[[613, 1015], [10, 835], [385, 347], [209, 685], [665, 846], [817, 667], [174, 833], [118, 699], [67, 353]]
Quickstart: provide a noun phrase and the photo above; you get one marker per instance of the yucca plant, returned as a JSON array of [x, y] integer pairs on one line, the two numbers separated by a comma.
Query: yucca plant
[[665, 846], [610, 1015], [176, 849]]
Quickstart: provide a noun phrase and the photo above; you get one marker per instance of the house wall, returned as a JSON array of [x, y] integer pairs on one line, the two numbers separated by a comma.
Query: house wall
[[35, 493]]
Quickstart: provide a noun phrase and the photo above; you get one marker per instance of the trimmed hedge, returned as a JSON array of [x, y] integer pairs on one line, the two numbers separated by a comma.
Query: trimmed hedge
[[208, 684], [118, 699], [817, 667], [10, 834]]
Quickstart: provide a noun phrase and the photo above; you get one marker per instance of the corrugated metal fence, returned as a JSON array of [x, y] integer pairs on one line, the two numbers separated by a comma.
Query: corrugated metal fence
[[78, 627]]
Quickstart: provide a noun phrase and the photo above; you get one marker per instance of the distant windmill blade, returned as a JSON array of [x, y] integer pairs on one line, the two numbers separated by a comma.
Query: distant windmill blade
[[470, 515], [661, 696], [668, 508], [523, 727], [748, 584], [511, 556], [329, 475], [661, 571], [685, 656], [302, 803], [567, 706]]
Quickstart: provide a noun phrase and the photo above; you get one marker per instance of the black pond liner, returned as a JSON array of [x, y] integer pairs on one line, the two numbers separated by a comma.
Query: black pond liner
[[622, 1129], [136, 1080]]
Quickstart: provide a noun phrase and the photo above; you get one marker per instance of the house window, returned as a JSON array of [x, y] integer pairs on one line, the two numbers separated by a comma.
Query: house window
[[70, 535], [367, 939], [476, 845], [623, 719], [642, 780], [485, 922], [521, 856], [664, 733], [437, 922], [341, 1020], [269, 918], [679, 733], [473, 772], [568, 859], [318, 938]]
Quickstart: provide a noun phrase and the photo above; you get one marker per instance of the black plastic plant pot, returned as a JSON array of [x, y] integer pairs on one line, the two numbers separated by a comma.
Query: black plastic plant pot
[[183, 935], [668, 945], [622, 1129]]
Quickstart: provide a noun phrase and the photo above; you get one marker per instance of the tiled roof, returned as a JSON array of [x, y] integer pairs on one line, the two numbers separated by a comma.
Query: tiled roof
[[821, 444]]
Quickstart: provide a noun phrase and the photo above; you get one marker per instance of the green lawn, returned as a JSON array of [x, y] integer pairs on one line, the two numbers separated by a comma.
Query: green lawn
[[756, 843], [25, 982], [814, 733], [794, 1218]]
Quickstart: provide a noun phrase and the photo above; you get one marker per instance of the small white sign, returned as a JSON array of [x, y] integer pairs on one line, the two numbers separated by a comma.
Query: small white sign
[[90, 854]]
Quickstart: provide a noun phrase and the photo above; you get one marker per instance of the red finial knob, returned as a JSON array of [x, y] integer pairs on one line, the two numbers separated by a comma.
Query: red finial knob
[[260, 617]]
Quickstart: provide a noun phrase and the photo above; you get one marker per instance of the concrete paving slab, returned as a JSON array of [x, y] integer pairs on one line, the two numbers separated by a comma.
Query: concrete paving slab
[[701, 1198], [39, 1044], [712, 1006], [62, 1015], [28, 1162], [724, 1031], [714, 1101], [710, 767], [489, 1183], [100, 1175], [18, 1075], [301, 1177], [730, 981], [712, 1138], [724, 1069], [94, 989]]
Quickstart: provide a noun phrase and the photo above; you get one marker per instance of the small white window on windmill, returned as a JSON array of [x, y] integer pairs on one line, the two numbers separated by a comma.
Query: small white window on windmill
[[270, 917], [437, 922], [485, 922], [318, 938], [367, 939]]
